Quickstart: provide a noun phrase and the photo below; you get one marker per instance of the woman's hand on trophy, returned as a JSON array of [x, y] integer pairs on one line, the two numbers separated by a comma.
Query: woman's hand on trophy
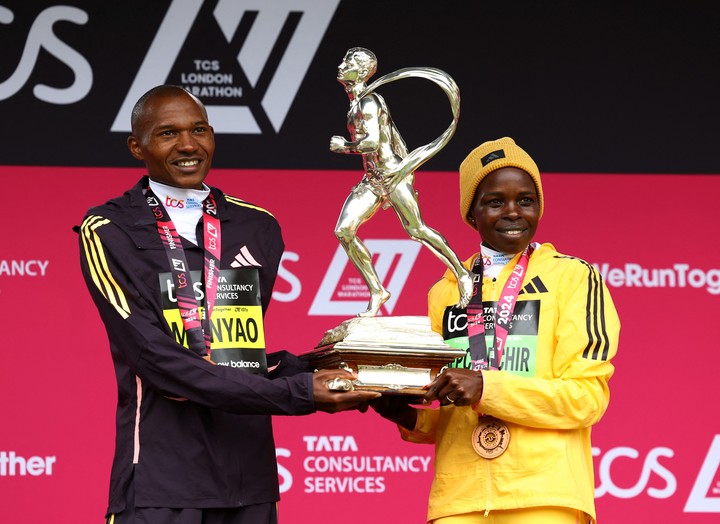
[[462, 387], [333, 391]]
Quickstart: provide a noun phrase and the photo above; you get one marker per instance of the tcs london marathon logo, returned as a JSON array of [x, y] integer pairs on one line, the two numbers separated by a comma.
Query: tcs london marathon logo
[[270, 58], [342, 291], [705, 494]]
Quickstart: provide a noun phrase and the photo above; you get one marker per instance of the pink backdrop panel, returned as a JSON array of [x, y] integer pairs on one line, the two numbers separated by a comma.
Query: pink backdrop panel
[[657, 448]]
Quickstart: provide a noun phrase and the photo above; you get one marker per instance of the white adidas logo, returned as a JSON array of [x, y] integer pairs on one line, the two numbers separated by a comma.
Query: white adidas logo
[[244, 259]]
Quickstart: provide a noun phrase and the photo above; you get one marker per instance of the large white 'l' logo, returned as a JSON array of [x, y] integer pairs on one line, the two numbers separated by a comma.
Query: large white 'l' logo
[[386, 250], [270, 19], [707, 482]]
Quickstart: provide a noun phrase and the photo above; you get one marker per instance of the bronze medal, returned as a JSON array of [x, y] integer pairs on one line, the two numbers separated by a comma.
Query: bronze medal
[[490, 438]]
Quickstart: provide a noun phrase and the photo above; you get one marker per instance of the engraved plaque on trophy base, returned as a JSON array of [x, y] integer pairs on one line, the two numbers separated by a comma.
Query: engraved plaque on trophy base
[[393, 355]]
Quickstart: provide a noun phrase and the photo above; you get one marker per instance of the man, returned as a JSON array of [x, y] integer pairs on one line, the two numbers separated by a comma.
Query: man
[[374, 136], [194, 438]]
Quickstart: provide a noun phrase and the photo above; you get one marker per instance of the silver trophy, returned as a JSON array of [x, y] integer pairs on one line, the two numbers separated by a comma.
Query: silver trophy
[[389, 354], [389, 170]]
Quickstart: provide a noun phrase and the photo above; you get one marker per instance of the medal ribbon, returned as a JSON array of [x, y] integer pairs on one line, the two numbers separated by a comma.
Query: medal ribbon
[[481, 357], [197, 327]]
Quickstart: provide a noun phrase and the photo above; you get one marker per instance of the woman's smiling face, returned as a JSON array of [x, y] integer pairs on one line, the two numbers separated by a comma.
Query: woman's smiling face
[[506, 210]]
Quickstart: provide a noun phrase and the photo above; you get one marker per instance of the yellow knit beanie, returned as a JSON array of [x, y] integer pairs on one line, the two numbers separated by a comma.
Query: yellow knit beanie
[[485, 159]]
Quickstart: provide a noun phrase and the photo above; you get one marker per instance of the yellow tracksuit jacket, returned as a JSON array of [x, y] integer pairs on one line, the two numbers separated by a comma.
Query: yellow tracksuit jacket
[[551, 388]]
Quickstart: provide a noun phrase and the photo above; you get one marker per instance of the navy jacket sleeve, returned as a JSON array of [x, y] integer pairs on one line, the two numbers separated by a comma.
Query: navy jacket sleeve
[[140, 340]]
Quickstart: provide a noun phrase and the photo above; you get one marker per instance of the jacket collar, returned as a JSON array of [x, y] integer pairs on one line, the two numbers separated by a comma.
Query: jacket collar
[[139, 221]]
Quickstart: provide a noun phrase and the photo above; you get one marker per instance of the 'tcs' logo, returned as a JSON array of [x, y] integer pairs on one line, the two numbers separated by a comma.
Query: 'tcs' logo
[[174, 202], [41, 36]]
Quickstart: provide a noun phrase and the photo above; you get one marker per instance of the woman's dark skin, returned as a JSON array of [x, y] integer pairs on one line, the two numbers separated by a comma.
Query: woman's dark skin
[[505, 212]]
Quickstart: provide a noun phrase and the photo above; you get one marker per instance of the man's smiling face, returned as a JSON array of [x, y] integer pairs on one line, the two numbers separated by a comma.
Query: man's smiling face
[[175, 140]]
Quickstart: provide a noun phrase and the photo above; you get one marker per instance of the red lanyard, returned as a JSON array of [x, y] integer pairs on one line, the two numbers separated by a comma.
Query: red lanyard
[[197, 328], [481, 357]]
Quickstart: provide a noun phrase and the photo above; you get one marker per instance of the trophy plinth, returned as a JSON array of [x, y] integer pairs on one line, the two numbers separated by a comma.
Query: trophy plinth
[[392, 355]]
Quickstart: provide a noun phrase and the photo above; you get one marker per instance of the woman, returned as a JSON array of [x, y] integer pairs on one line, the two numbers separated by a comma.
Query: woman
[[512, 432]]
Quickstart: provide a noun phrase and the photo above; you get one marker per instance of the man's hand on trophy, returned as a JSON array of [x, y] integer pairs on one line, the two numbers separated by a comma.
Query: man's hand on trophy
[[337, 144], [397, 409], [331, 397]]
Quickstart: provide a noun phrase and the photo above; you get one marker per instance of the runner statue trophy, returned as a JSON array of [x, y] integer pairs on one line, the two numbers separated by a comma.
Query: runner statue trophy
[[389, 170], [398, 354]]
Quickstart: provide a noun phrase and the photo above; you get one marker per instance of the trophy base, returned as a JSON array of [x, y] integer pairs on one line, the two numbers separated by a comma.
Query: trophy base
[[391, 355]]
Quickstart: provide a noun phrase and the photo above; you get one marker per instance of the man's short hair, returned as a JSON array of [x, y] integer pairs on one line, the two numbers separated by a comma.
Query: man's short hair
[[161, 90]]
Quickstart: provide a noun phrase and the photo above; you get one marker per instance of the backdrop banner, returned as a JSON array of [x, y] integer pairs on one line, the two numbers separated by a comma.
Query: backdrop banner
[[657, 450], [617, 104], [582, 87]]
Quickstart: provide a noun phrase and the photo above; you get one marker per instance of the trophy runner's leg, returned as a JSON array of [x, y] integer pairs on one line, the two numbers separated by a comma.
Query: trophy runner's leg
[[359, 207], [404, 201]]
